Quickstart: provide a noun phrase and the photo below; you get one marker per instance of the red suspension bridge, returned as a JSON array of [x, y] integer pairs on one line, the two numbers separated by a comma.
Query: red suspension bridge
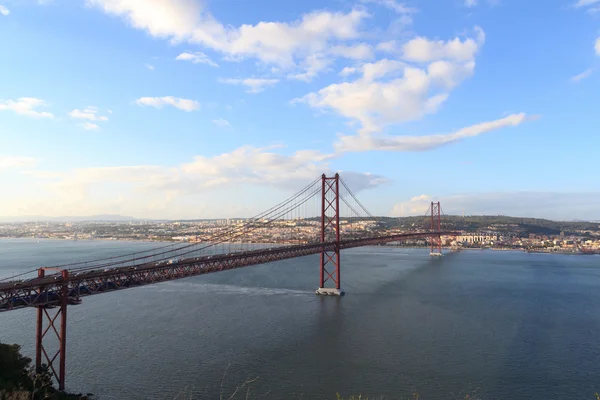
[[323, 218]]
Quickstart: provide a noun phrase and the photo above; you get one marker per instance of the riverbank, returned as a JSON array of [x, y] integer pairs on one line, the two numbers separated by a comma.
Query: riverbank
[[524, 250], [412, 246], [130, 240]]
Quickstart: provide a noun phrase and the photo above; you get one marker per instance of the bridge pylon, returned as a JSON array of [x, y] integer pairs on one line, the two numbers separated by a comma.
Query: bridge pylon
[[330, 259], [435, 240], [42, 357]]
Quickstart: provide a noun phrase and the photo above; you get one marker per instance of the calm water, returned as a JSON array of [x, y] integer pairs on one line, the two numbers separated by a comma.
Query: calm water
[[502, 325]]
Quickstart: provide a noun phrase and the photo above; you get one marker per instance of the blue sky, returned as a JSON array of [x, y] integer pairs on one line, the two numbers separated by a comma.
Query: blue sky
[[197, 109]]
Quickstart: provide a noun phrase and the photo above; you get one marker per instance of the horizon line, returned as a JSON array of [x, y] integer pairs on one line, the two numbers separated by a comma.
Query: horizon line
[[122, 218]]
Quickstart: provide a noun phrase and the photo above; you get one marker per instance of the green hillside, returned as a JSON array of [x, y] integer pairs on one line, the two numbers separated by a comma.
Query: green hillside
[[498, 223]]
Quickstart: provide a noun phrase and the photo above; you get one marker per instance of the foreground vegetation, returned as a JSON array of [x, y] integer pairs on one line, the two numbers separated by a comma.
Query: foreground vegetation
[[20, 381], [415, 396]]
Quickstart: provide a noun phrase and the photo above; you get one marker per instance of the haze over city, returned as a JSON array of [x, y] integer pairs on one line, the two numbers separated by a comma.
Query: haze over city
[[215, 109]]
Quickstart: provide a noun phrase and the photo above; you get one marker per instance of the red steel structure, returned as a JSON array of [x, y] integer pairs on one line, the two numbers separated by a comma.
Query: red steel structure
[[436, 227], [55, 292], [58, 291], [61, 332], [330, 229]]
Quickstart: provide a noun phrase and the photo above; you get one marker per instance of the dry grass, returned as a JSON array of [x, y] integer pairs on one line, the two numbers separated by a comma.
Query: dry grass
[[414, 396], [243, 392], [240, 392]]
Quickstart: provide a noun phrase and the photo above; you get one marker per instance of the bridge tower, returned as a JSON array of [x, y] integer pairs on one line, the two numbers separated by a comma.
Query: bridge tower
[[436, 225], [330, 232], [42, 355]]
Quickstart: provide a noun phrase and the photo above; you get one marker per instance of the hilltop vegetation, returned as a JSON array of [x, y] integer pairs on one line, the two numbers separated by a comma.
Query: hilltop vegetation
[[19, 380], [498, 223]]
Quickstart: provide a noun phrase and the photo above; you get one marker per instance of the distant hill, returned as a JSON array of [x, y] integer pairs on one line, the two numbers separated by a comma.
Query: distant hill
[[41, 218], [499, 223]]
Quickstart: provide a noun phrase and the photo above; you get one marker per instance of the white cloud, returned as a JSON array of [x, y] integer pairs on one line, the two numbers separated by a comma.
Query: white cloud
[[89, 113], [582, 75], [257, 165], [160, 102], [176, 19], [299, 49], [421, 143], [393, 5], [26, 106], [7, 162], [223, 123], [393, 91], [470, 3], [281, 43], [557, 205], [176, 191], [255, 85], [585, 3], [348, 71], [197, 58], [417, 205], [361, 51], [592, 10], [149, 66], [89, 126], [398, 24], [390, 46], [3, 10], [380, 69], [312, 66], [285, 45], [423, 50]]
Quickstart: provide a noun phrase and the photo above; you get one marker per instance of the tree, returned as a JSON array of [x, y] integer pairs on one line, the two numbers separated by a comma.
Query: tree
[[14, 369], [17, 375]]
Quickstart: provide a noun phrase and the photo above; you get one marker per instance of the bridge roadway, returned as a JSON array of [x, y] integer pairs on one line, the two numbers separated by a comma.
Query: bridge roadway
[[46, 291]]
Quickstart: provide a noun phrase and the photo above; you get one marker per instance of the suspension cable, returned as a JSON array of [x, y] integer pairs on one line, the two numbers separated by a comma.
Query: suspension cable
[[358, 201], [219, 238], [135, 255]]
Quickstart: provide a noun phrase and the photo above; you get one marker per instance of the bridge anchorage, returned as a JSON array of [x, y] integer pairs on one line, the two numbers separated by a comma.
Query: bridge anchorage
[[51, 293]]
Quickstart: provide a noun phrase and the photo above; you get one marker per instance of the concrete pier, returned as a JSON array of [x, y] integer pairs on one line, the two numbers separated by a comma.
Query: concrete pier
[[330, 292]]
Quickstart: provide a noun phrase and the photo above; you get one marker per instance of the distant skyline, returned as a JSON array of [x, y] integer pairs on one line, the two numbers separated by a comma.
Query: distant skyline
[[190, 109]]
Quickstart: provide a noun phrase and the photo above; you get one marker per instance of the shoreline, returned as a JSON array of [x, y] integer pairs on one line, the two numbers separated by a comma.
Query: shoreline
[[174, 242]]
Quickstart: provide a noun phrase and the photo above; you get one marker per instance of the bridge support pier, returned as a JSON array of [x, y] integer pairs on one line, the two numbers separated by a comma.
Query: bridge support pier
[[43, 356], [330, 231], [330, 292], [436, 222]]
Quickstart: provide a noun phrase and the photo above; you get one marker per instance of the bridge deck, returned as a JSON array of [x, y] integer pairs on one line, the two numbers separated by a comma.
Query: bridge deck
[[46, 291]]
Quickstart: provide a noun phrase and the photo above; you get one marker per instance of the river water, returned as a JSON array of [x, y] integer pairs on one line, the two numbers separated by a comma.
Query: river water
[[493, 324]]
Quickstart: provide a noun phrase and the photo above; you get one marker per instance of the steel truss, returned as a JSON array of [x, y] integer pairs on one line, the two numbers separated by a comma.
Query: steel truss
[[436, 224], [48, 290], [53, 293], [44, 356], [330, 231]]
